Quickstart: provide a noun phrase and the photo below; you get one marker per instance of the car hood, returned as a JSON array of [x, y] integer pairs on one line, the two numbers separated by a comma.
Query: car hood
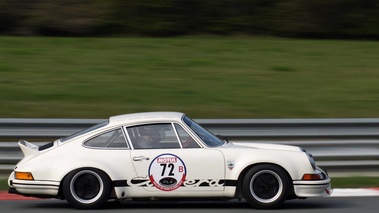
[[265, 146]]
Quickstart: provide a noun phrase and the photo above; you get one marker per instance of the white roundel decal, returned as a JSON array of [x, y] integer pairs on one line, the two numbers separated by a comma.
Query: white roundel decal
[[167, 172]]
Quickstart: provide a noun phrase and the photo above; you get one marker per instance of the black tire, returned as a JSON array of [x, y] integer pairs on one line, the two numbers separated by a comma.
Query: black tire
[[86, 188], [266, 186]]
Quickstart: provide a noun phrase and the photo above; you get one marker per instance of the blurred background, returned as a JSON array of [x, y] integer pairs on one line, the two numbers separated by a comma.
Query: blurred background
[[210, 59], [294, 18]]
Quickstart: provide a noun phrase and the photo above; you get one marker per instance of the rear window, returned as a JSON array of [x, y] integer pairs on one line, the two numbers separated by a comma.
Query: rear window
[[111, 139]]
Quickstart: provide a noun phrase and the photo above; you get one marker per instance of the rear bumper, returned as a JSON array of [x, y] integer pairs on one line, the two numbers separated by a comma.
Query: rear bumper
[[33, 188], [13, 191]]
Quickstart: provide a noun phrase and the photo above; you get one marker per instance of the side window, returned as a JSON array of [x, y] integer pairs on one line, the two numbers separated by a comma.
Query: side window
[[153, 136], [186, 140], [112, 139]]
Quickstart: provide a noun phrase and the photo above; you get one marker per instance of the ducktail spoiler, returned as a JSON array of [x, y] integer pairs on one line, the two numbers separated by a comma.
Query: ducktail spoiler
[[29, 149]]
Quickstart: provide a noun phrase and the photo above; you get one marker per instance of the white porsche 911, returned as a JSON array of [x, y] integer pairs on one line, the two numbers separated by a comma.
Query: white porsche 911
[[163, 155]]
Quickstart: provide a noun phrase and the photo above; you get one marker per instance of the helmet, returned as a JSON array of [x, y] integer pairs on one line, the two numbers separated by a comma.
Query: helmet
[[151, 131]]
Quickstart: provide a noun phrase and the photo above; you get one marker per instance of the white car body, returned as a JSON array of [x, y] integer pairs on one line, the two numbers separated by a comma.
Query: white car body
[[105, 162]]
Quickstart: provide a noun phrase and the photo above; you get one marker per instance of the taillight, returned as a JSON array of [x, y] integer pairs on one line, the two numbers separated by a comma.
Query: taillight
[[23, 176]]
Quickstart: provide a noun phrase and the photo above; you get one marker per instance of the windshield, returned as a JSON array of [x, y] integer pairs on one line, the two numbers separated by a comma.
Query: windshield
[[208, 138], [84, 131]]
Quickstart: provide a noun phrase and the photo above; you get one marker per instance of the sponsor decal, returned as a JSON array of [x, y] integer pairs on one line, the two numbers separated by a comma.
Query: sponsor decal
[[167, 172]]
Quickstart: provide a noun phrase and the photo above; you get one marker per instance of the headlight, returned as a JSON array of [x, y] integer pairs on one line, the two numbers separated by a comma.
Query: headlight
[[310, 158]]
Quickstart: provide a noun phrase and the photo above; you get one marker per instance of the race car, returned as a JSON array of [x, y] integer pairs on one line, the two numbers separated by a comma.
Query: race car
[[164, 156]]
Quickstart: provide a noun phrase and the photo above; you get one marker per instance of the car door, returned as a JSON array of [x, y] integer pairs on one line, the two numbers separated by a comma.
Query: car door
[[168, 166]]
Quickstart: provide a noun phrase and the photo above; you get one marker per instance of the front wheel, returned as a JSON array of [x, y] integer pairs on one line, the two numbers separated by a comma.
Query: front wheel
[[86, 188], [266, 186]]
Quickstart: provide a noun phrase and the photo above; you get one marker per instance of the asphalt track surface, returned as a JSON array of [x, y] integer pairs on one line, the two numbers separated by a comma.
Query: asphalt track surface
[[366, 204]]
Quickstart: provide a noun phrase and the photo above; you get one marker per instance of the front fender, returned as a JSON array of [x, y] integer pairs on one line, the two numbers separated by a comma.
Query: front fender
[[296, 163]]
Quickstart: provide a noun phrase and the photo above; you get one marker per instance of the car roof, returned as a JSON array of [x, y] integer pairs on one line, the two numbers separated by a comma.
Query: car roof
[[146, 117]]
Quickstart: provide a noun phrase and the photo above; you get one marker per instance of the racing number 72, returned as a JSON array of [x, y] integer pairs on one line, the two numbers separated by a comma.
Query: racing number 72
[[170, 166]]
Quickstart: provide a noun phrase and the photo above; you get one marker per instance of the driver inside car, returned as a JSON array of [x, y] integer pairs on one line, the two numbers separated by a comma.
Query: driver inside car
[[149, 137]]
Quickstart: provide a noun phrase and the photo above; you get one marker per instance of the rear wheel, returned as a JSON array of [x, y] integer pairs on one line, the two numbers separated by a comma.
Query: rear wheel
[[266, 186], [86, 188]]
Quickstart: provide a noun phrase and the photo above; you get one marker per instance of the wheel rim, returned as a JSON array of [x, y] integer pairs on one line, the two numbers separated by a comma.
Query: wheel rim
[[266, 186], [86, 186]]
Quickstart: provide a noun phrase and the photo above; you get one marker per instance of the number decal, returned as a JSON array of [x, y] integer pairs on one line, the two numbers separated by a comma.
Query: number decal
[[164, 169], [167, 172], [171, 170], [171, 166]]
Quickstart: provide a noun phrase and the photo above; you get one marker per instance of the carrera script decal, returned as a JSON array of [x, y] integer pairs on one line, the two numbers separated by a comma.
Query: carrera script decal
[[138, 182], [204, 182], [167, 172]]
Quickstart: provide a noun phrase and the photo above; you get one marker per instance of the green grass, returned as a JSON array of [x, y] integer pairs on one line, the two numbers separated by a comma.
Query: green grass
[[205, 77], [3, 185], [340, 182], [355, 182]]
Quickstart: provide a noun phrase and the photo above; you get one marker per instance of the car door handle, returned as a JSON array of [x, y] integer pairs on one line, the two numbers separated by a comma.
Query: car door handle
[[140, 158]]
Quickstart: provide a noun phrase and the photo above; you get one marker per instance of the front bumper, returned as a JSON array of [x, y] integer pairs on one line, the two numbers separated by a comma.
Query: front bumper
[[313, 188]]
